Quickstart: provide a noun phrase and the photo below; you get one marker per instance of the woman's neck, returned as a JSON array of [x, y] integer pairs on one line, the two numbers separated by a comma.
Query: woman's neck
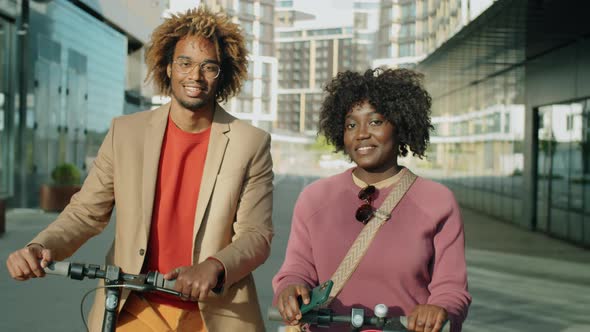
[[373, 177]]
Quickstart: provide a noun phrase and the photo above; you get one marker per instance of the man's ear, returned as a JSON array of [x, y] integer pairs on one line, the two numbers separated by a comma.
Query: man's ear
[[169, 70]]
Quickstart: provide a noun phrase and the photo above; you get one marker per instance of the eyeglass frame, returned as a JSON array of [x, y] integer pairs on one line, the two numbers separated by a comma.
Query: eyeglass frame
[[195, 65], [366, 194]]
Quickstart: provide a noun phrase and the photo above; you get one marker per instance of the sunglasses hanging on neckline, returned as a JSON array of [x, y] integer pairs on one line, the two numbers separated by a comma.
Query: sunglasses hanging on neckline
[[366, 211]]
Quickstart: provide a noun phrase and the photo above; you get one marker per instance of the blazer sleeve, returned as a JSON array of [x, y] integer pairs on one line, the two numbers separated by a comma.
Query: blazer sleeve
[[89, 210], [448, 286], [253, 231]]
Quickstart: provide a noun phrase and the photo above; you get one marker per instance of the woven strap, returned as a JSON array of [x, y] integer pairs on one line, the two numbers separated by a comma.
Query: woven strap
[[361, 244]]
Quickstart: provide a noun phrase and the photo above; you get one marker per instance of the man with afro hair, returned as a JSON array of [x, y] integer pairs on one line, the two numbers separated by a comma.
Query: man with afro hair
[[192, 187]]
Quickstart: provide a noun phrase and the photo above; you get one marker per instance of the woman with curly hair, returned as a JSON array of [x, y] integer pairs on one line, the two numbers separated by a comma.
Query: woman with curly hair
[[192, 187], [415, 264]]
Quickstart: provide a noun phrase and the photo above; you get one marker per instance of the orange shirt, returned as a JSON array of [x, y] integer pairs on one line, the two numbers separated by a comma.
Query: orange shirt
[[182, 160]]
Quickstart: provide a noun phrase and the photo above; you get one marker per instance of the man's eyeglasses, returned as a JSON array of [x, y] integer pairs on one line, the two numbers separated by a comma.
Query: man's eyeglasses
[[366, 211], [207, 68]]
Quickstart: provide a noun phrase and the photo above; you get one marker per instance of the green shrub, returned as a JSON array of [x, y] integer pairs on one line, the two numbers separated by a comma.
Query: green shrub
[[66, 174]]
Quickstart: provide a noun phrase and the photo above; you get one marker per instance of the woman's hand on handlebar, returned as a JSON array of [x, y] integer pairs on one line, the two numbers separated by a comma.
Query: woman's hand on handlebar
[[28, 262], [427, 318], [289, 306]]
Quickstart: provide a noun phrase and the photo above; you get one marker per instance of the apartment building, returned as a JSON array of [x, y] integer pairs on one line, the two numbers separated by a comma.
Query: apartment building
[[365, 27], [409, 30], [257, 102], [308, 58]]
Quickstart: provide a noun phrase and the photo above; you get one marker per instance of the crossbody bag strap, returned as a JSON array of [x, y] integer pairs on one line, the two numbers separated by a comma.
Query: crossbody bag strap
[[361, 243]]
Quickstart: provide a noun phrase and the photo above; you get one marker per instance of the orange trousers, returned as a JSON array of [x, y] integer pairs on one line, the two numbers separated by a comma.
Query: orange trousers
[[139, 315]]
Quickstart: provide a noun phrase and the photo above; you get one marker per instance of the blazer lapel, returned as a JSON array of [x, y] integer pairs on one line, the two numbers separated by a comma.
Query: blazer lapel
[[152, 147], [217, 145]]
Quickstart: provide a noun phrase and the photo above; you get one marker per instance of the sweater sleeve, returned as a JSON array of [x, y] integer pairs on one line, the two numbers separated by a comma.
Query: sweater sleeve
[[299, 266], [448, 286]]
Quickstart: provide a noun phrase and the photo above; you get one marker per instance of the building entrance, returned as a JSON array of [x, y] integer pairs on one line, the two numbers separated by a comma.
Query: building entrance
[[563, 171]]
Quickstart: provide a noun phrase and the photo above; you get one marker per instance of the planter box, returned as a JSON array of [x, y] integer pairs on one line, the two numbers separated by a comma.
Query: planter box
[[55, 198]]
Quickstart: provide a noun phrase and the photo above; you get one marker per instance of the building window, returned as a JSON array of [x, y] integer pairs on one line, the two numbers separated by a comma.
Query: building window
[[409, 10], [361, 20], [246, 8], [569, 122], [407, 31], [406, 49], [247, 27]]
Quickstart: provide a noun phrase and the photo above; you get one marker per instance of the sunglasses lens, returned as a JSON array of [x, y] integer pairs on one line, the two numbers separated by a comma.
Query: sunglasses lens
[[364, 213], [367, 192]]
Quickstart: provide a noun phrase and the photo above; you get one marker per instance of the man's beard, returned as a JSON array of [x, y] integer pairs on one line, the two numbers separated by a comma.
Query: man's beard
[[193, 104]]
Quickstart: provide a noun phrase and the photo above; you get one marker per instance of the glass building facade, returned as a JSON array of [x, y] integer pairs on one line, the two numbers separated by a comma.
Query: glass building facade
[[510, 108], [64, 75], [563, 169], [76, 84], [8, 82]]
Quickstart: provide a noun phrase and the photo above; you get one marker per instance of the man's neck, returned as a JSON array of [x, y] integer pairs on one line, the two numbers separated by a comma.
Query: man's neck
[[192, 121]]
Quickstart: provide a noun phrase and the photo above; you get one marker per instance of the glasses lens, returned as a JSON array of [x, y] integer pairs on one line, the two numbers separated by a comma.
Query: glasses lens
[[367, 192], [364, 213], [184, 66], [210, 70]]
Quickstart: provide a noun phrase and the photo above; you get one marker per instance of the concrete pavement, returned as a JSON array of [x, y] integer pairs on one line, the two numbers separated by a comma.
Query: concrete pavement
[[520, 281]]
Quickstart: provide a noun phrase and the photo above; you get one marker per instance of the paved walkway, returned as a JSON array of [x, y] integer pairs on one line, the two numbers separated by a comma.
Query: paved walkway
[[524, 281], [504, 246]]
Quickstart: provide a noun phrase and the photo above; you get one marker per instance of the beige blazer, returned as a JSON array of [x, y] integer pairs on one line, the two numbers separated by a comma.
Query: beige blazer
[[232, 219]]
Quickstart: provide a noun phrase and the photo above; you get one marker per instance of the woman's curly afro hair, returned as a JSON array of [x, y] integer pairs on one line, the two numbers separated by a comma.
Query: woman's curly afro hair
[[397, 94], [216, 27]]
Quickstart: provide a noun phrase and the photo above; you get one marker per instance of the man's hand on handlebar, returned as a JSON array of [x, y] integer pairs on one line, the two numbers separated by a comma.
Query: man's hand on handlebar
[[289, 306], [195, 282], [427, 318], [28, 262]]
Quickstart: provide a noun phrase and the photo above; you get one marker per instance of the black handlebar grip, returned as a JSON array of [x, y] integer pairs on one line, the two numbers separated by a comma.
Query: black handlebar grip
[[58, 268], [159, 281]]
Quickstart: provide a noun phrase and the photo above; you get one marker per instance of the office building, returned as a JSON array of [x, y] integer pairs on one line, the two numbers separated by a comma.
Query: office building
[[511, 107], [66, 69]]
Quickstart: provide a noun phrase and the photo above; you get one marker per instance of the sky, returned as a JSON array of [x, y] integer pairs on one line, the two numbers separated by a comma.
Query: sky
[[327, 12]]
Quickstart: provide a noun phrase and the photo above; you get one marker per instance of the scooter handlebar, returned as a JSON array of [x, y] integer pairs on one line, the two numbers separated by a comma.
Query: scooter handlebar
[[160, 282], [274, 315], [58, 268], [80, 271]]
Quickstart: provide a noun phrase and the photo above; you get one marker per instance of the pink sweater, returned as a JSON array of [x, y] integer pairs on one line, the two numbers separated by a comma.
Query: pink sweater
[[417, 257]]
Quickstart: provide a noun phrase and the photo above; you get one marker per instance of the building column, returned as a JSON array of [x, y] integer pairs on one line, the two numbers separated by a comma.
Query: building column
[[2, 216], [529, 173]]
